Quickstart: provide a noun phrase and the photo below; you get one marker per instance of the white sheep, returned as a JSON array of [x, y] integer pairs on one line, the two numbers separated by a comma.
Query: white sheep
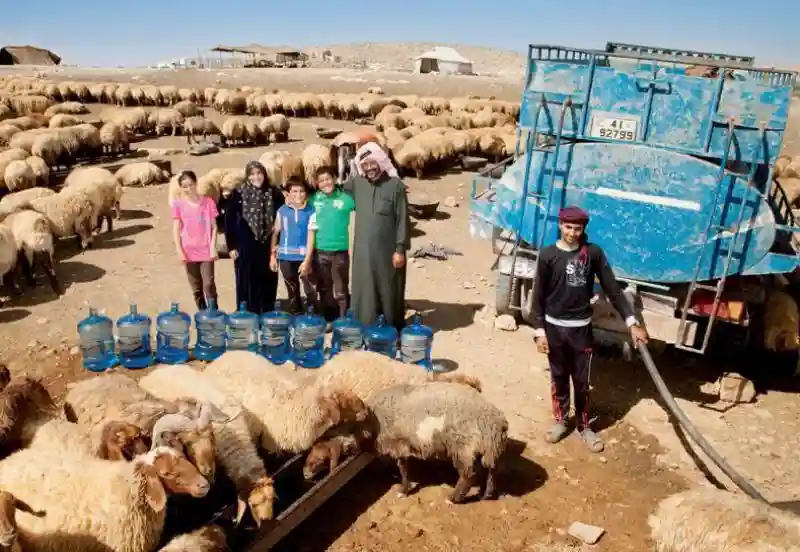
[[68, 213], [275, 127], [103, 190], [293, 416], [96, 505], [140, 174], [8, 255], [436, 420], [365, 373], [198, 126], [710, 520], [113, 138], [70, 108], [95, 401], [781, 320], [19, 176], [234, 446], [209, 538], [34, 239], [233, 131], [167, 118], [7, 157], [41, 171], [64, 120], [315, 156], [22, 197]]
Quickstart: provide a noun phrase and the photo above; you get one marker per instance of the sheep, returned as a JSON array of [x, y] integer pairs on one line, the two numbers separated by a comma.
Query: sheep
[[293, 416], [429, 421], [168, 118], [102, 189], [41, 172], [7, 132], [710, 520], [253, 134], [120, 441], [113, 138], [23, 401], [50, 147], [68, 213], [781, 319], [7, 157], [22, 197], [233, 444], [377, 90], [8, 257], [366, 373], [63, 120], [94, 401], [331, 449], [282, 166], [233, 131], [5, 376], [209, 538], [141, 174], [314, 157], [34, 238], [198, 126], [275, 127], [19, 176], [127, 500], [8, 521], [29, 104], [67, 108], [188, 108]]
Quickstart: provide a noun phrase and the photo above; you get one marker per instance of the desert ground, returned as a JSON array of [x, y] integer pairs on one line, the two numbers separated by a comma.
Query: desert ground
[[544, 487]]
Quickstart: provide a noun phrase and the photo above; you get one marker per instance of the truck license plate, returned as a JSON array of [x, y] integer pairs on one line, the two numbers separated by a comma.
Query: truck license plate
[[612, 128]]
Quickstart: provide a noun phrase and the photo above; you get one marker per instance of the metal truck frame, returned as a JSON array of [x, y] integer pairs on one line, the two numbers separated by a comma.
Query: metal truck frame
[[577, 101]]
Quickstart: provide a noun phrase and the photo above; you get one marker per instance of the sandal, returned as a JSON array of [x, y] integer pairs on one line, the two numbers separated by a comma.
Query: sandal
[[592, 440], [557, 432]]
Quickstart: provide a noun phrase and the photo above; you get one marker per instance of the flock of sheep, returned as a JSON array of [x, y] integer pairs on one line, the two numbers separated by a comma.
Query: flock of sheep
[[422, 134], [97, 474]]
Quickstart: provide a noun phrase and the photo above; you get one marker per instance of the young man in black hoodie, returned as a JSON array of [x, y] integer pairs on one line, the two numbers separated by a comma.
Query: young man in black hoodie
[[562, 325]]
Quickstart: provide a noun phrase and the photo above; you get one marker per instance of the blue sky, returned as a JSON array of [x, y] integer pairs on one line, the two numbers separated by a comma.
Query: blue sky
[[139, 32]]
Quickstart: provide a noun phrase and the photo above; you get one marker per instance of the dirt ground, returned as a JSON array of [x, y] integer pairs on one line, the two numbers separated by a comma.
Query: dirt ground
[[545, 488]]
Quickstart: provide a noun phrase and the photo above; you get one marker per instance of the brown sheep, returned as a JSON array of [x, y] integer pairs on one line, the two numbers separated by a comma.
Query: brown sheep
[[23, 400], [121, 441], [9, 504]]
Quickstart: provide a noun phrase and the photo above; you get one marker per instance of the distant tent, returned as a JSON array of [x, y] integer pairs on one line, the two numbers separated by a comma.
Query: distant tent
[[443, 60], [27, 55]]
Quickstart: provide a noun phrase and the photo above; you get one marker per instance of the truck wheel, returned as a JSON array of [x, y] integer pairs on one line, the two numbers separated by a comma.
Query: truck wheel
[[501, 298]]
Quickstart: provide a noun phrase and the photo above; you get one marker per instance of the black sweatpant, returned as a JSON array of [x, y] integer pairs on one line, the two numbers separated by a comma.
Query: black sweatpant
[[334, 282], [290, 270], [570, 358]]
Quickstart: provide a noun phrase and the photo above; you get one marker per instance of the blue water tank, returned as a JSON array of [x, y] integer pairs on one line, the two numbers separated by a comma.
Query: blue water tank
[[210, 324], [172, 336], [308, 339], [243, 330], [416, 342], [276, 343], [347, 334], [133, 337], [96, 336], [381, 338]]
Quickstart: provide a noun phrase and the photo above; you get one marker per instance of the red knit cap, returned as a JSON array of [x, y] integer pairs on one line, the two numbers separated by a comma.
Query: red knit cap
[[574, 215]]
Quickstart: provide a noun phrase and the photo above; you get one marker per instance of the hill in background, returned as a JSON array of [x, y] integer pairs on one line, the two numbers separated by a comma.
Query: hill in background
[[399, 56]]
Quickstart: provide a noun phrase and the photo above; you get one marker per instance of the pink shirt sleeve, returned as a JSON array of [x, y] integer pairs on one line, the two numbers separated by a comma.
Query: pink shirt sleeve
[[211, 205], [176, 210]]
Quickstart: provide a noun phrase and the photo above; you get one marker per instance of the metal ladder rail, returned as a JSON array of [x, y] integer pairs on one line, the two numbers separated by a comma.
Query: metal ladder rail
[[720, 287], [694, 285], [530, 145]]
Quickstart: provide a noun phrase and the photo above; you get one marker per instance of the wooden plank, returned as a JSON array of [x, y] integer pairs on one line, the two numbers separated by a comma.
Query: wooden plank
[[272, 532]]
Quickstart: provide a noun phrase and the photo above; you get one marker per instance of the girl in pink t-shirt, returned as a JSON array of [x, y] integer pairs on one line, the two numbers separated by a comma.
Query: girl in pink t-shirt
[[194, 231]]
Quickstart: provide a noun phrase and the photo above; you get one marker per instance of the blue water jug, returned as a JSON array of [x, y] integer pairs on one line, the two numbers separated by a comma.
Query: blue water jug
[[172, 336], [381, 338], [276, 344], [210, 324], [133, 338], [416, 342], [308, 339], [347, 334], [96, 335], [242, 330]]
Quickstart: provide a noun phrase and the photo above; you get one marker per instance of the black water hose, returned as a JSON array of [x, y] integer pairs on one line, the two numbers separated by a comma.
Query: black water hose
[[691, 430]]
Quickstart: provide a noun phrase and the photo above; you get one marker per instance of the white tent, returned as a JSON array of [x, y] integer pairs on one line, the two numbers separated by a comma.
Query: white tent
[[442, 60]]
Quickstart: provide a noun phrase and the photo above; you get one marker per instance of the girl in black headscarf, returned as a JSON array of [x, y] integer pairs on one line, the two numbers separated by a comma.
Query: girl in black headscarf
[[248, 226]]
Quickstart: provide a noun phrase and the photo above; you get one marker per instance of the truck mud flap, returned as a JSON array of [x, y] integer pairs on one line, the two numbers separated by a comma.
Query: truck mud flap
[[271, 533]]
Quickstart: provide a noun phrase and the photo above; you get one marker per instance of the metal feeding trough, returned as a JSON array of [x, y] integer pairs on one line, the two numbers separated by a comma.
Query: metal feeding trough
[[328, 133], [421, 206], [473, 163]]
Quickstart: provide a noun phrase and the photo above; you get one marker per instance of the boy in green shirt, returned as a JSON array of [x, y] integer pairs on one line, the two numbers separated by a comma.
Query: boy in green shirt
[[331, 226]]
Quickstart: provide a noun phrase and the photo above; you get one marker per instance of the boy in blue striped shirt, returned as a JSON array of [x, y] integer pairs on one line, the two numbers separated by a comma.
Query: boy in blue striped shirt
[[293, 245]]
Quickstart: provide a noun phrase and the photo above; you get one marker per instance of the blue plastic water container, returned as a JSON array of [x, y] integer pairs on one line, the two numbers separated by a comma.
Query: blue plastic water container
[[172, 336], [308, 339], [96, 336], [381, 338], [210, 324], [133, 338], [276, 343], [347, 334], [416, 343], [243, 330]]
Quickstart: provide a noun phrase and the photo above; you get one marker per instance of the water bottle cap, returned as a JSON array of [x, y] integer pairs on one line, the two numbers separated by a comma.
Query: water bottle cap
[[92, 311], [277, 305], [174, 307], [212, 304], [381, 320], [243, 306], [133, 308], [350, 313]]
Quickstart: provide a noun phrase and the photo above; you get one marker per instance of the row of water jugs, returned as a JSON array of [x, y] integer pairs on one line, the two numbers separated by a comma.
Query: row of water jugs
[[277, 335]]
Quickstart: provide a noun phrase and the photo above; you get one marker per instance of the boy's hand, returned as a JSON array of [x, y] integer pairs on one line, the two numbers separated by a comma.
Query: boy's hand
[[398, 260], [273, 263], [304, 266], [542, 345], [233, 254], [182, 255]]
